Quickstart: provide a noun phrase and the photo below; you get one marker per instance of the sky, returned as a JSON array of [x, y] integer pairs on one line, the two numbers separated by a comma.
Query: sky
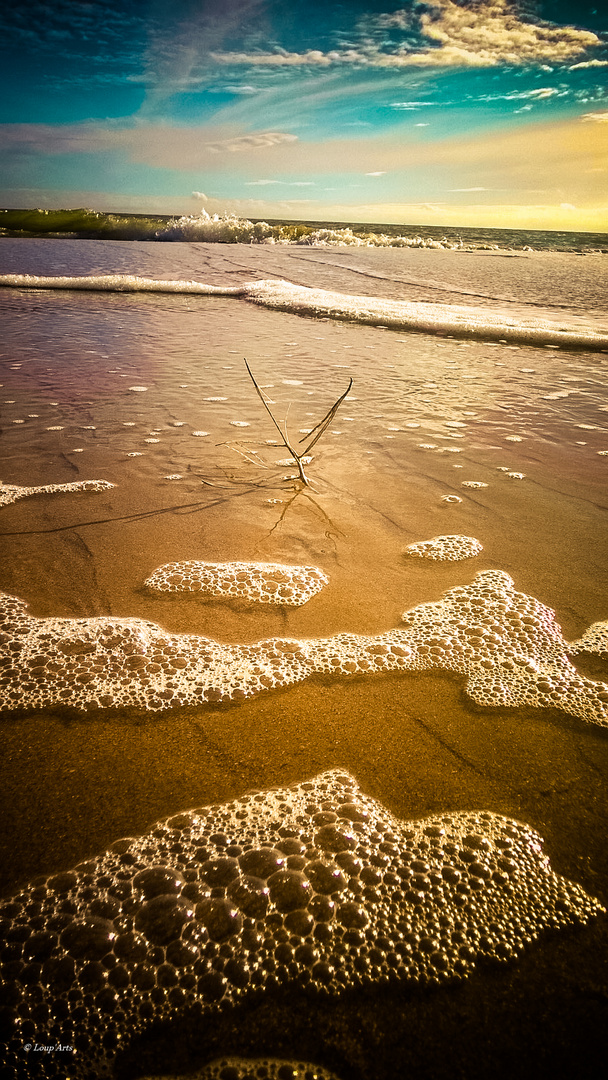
[[480, 113]]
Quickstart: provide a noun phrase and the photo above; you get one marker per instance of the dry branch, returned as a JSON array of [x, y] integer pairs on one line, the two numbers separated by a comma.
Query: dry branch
[[319, 428]]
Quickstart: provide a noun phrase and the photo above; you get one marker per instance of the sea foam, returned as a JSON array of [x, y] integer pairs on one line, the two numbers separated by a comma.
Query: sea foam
[[10, 493], [315, 889], [262, 583], [507, 644], [423, 317]]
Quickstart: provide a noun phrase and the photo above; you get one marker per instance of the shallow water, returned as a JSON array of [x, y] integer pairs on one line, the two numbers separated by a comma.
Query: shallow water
[[426, 416]]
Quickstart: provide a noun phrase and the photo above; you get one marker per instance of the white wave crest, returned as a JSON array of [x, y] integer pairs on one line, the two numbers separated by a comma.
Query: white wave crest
[[423, 317]]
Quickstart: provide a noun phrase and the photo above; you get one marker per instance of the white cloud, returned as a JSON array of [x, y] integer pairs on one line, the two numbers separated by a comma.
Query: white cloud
[[376, 173], [285, 183], [200, 195], [485, 34], [233, 89], [409, 104], [468, 189], [597, 117], [589, 64]]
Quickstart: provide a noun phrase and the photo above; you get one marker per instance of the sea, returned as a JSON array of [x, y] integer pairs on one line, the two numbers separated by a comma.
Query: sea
[[303, 647]]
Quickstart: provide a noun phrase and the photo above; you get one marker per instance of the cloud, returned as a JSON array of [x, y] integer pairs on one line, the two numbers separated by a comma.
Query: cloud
[[411, 104], [484, 34], [382, 173], [492, 32], [281, 58], [159, 145], [589, 64], [597, 117], [233, 89], [200, 195], [180, 43], [256, 141], [285, 183], [468, 189]]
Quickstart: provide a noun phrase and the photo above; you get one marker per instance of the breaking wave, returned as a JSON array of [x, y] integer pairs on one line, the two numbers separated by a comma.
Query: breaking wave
[[229, 229], [423, 317]]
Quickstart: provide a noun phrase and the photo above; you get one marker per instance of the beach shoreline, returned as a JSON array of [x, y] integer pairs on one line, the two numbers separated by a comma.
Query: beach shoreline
[[119, 388]]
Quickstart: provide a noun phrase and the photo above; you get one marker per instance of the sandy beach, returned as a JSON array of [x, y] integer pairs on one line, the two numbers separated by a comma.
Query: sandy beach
[[440, 435]]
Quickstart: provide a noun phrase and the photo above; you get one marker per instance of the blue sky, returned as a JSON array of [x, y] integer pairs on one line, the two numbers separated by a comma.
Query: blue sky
[[459, 112]]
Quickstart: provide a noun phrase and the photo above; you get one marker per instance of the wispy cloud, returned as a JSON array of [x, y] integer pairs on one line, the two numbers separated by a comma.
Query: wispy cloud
[[378, 173], [256, 141], [159, 145], [284, 183], [596, 117], [410, 104]]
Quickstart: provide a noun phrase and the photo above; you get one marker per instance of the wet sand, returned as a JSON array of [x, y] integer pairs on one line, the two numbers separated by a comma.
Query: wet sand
[[75, 782]]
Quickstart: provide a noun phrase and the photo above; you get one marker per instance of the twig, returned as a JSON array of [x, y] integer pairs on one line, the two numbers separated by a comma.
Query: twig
[[323, 424], [320, 428], [284, 436]]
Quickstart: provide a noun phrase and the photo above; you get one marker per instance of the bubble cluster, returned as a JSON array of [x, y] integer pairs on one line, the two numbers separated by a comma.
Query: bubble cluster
[[595, 639], [315, 887], [445, 548], [9, 493], [508, 645], [262, 583], [238, 1068]]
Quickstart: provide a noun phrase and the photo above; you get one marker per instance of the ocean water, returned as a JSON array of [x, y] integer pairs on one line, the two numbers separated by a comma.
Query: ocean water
[[229, 229], [422, 629]]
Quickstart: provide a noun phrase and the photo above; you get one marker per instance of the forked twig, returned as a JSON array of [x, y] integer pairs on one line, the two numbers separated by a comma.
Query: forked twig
[[325, 422], [320, 428]]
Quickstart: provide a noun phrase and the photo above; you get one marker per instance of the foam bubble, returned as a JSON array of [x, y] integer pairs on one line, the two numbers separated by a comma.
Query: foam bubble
[[451, 499], [473, 484], [200, 434], [507, 644], [446, 548], [9, 493], [138, 389], [264, 583], [314, 887], [238, 1068], [516, 475]]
